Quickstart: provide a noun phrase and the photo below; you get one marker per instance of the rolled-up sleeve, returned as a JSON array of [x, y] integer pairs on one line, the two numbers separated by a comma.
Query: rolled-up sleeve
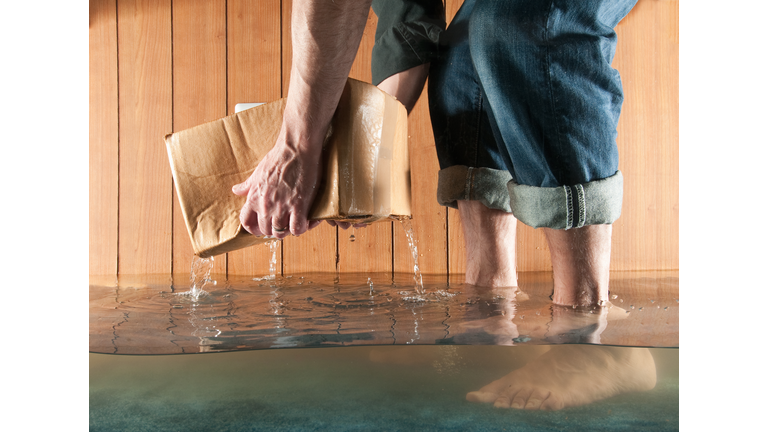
[[407, 35]]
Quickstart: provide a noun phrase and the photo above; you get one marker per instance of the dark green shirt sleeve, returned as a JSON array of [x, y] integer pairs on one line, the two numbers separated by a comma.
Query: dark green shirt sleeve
[[407, 35]]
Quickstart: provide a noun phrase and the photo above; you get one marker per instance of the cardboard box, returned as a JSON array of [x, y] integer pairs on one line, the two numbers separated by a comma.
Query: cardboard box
[[366, 173]]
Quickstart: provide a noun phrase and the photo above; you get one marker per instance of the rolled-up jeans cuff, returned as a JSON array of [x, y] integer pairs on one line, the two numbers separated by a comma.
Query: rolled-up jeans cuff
[[564, 207], [487, 185]]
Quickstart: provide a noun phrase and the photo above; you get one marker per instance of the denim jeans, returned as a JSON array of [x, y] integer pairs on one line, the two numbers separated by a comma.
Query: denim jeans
[[524, 106]]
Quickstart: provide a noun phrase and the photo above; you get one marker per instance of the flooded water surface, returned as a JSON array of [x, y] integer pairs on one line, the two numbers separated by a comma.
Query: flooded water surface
[[154, 315], [378, 352]]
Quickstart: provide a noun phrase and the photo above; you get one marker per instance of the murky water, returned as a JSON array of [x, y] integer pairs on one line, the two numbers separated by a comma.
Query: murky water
[[413, 388], [398, 360]]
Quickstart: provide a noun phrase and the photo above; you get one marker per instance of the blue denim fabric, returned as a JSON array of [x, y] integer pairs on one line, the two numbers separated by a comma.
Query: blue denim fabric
[[527, 86]]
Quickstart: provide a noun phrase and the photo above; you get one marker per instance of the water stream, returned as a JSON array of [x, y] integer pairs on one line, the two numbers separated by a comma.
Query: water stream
[[199, 276], [405, 222], [200, 271]]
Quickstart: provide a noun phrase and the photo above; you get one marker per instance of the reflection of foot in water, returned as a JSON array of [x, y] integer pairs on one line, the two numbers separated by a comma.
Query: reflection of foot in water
[[571, 375]]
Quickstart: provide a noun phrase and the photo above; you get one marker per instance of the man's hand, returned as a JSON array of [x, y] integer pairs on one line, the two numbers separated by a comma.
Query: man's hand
[[281, 190], [325, 36]]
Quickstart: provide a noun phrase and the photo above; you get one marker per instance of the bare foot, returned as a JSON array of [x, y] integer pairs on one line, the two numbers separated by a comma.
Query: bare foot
[[489, 239], [571, 375]]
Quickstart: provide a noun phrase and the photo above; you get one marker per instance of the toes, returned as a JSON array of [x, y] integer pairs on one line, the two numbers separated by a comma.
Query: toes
[[536, 399], [553, 403], [481, 396], [501, 402], [520, 399]]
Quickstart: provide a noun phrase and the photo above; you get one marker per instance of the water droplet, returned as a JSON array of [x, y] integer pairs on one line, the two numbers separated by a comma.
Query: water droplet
[[352, 238], [651, 300], [614, 297], [631, 306], [665, 307], [640, 308], [537, 313]]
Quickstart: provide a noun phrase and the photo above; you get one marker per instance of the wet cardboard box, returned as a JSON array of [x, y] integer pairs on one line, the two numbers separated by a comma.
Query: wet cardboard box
[[366, 172]]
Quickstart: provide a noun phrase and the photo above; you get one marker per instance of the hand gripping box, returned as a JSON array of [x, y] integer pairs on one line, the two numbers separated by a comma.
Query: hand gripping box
[[366, 173]]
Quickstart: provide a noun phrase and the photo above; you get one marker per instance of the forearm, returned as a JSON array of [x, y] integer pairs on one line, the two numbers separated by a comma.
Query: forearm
[[326, 35], [279, 193]]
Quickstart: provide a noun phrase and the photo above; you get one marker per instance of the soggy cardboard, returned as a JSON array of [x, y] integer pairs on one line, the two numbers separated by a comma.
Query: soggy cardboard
[[366, 173]]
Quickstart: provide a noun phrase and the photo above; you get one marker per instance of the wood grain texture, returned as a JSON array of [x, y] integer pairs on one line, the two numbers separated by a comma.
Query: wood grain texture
[[429, 218], [372, 249], [199, 92], [145, 105], [457, 261], [254, 75], [646, 236], [451, 8], [102, 137], [139, 82], [457, 252], [314, 251]]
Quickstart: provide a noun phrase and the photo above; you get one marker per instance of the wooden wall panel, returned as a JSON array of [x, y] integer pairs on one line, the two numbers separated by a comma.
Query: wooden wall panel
[[457, 261], [429, 218], [646, 236], [145, 105], [456, 251], [199, 92], [315, 251], [254, 75], [149, 82], [102, 137]]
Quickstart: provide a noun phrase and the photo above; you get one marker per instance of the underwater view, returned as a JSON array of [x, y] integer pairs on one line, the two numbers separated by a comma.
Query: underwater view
[[380, 352]]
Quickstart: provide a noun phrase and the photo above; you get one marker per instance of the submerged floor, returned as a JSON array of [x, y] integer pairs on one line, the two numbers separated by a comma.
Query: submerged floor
[[157, 314], [360, 388]]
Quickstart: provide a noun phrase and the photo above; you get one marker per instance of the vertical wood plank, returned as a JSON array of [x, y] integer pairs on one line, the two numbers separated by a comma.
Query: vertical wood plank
[[457, 252], [372, 249], [646, 236], [254, 75], [451, 8], [532, 249], [429, 218], [145, 105], [314, 251], [199, 92], [457, 261], [102, 134]]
